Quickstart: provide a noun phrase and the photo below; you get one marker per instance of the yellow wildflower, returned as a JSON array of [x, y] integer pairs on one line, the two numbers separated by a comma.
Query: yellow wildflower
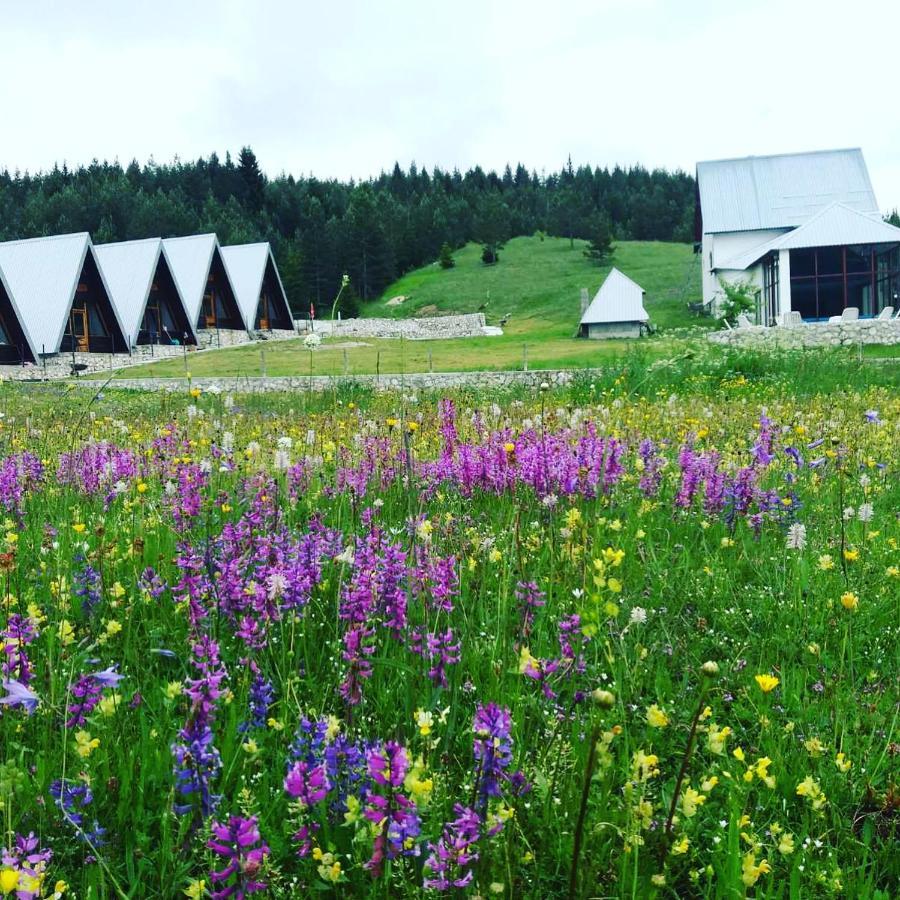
[[424, 721], [680, 847], [810, 789], [786, 844], [109, 704], [814, 746], [9, 881], [85, 745], [644, 766], [690, 800], [767, 682], [849, 600], [66, 633], [716, 738], [750, 871], [843, 764], [656, 718]]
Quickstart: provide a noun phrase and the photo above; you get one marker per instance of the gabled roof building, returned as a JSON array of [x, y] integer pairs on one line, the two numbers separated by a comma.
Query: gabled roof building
[[257, 285], [802, 230], [144, 292], [56, 293], [617, 309], [203, 282]]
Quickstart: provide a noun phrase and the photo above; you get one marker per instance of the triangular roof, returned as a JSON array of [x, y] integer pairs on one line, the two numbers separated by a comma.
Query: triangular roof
[[781, 191], [40, 276], [190, 259], [129, 268], [246, 265], [619, 300], [835, 226]]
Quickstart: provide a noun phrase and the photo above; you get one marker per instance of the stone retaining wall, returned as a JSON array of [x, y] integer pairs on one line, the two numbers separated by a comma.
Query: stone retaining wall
[[60, 366], [438, 381], [427, 328], [811, 334]]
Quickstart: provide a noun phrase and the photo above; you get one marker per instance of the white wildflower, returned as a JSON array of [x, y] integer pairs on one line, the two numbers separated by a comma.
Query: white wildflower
[[865, 512], [796, 537], [638, 615]]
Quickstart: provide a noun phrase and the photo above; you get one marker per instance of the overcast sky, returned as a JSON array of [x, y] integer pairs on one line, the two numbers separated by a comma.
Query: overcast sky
[[345, 88]]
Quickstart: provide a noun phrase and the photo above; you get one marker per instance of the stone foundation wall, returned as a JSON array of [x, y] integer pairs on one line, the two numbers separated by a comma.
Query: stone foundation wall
[[222, 337], [427, 328], [812, 334]]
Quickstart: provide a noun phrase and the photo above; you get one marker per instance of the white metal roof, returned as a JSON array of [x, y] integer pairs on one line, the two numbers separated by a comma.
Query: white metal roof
[[129, 268], [781, 191], [246, 265], [190, 259], [618, 300], [40, 275], [834, 226]]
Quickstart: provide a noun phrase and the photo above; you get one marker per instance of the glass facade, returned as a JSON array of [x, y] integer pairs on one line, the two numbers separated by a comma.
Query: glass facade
[[826, 280]]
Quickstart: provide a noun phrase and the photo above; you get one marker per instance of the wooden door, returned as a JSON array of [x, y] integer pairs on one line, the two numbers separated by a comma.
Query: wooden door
[[209, 309], [80, 330], [264, 312]]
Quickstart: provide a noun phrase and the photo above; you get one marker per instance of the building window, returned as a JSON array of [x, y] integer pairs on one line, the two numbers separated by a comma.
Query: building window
[[826, 280], [770, 301]]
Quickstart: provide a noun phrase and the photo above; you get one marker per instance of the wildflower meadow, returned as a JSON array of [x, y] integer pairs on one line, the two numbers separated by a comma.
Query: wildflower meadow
[[629, 636]]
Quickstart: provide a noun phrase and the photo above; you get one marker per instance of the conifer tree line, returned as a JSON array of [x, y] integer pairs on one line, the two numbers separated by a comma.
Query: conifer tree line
[[372, 230]]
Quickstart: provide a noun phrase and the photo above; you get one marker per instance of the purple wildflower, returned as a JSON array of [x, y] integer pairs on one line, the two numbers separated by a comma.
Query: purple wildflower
[[241, 846]]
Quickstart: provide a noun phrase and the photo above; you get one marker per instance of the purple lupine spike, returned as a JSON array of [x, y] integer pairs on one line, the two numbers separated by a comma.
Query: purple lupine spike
[[453, 854], [240, 844], [492, 748]]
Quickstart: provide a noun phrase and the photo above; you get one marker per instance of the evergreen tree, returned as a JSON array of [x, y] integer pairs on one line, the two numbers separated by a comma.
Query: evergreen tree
[[252, 179], [446, 258], [600, 248]]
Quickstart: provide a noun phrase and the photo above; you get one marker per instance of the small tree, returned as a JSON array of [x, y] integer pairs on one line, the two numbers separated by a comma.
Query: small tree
[[489, 254], [446, 258], [601, 247], [740, 297]]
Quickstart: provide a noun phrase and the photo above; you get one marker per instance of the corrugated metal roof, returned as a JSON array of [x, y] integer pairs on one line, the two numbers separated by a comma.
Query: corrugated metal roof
[[129, 267], [834, 226], [190, 259], [41, 275], [618, 300], [781, 191], [246, 265]]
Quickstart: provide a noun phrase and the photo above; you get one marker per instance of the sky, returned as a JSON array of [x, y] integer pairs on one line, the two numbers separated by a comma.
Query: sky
[[345, 88]]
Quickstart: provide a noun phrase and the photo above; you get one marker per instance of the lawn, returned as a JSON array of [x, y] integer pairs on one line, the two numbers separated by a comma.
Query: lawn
[[537, 285]]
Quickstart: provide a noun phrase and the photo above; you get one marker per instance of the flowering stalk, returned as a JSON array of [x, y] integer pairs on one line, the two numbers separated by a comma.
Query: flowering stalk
[[582, 808]]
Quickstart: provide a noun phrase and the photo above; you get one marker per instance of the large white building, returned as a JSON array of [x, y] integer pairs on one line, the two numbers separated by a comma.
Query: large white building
[[803, 229]]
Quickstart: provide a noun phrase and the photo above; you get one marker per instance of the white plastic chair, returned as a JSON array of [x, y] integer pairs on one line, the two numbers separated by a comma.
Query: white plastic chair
[[850, 314], [886, 313], [743, 321]]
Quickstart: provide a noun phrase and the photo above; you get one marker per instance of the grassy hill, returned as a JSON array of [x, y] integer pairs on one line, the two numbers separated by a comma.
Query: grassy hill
[[536, 283]]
